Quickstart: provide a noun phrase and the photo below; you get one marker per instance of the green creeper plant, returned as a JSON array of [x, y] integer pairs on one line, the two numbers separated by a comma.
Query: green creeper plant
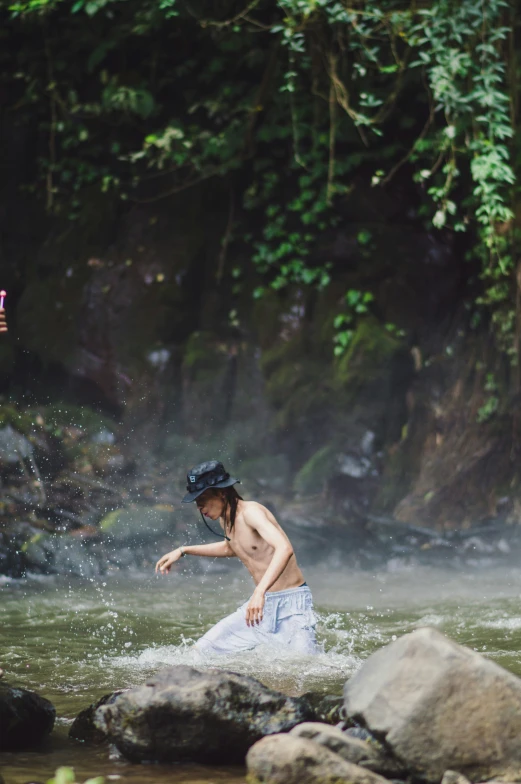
[[289, 103]]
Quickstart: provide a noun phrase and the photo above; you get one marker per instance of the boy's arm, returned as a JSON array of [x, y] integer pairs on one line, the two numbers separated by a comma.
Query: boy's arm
[[215, 550]]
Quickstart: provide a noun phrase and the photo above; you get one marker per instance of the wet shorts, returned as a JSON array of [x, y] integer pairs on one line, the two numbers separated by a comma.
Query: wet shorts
[[288, 621]]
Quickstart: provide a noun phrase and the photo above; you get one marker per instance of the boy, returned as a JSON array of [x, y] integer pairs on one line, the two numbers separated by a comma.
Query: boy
[[281, 607]]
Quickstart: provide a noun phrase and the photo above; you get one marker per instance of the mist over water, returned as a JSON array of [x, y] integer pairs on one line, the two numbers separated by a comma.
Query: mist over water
[[74, 640]]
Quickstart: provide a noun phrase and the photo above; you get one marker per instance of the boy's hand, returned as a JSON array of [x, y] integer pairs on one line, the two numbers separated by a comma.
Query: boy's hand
[[255, 609], [167, 561]]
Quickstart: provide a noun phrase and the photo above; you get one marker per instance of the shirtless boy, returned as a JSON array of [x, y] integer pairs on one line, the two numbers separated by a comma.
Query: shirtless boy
[[281, 608]]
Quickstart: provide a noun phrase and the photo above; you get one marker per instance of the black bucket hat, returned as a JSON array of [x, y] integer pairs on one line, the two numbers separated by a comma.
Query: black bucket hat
[[204, 476]]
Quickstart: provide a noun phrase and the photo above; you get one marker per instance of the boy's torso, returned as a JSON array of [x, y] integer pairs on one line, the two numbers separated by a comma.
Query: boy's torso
[[256, 554]]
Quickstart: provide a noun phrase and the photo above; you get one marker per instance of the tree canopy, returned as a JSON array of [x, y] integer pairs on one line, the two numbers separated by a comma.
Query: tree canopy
[[290, 103]]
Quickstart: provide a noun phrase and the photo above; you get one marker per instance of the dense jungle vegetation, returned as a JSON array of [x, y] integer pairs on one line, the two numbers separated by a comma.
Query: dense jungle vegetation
[[283, 121], [290, 102]]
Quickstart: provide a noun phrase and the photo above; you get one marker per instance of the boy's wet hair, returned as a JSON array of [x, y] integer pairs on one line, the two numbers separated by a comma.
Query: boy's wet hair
[[231, 500]]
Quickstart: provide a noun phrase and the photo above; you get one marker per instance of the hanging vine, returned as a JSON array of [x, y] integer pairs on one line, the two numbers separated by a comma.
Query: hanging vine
[[299, 97]]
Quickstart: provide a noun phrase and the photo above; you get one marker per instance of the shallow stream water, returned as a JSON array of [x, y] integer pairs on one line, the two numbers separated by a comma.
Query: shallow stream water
[[75, 640]]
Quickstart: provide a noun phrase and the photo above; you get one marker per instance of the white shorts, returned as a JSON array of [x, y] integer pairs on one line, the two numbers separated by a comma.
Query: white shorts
[[288, 621]]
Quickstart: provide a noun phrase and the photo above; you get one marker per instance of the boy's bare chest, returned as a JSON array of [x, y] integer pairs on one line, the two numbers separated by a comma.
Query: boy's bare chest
[[247, 543]]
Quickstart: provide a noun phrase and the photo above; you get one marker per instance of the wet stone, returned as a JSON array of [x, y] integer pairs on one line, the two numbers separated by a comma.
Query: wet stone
[[368, 754], [328, 708], [83, 727], [25, 718], [286, 759], [183, 714], [440, 706]]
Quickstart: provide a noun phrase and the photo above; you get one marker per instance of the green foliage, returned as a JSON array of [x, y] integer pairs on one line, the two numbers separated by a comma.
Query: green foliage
[[291, 102], [491, 405], [18, 419], [66, 776], [357, 303]]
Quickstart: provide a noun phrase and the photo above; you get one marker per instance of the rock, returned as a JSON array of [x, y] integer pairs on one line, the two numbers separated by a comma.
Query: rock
[[139, 523], [358, 732], [12, 542], [184, 714], [328, 708], [62, 554], [367, 754], [286, 759], [83, 727], [13, 445], [440, 706], [25, 718], [453, 777]]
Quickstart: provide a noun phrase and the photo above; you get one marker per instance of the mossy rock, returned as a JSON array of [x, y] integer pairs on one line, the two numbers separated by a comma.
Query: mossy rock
[[367, 358], [298, 385], [313, 475], [139, 523]]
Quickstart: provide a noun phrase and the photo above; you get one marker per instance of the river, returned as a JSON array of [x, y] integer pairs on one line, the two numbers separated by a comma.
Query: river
[[75, 640]]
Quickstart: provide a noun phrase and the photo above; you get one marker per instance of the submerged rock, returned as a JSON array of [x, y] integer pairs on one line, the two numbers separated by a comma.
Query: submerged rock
[[367, 754], [286, 759], [440, 706], [25, 718], [183, 714], [83, 727]]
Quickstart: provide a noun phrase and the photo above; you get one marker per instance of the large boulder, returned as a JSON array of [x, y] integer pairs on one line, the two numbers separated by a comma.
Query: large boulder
[[367, 753], [286, 759], [440, 706], [184, 714], [25, 718]]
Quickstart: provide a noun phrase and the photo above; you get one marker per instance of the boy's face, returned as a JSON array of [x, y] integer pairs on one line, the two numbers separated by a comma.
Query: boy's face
[[210, 503]]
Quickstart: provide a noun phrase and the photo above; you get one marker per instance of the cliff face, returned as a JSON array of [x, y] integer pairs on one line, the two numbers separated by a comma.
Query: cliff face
[[141, 313]]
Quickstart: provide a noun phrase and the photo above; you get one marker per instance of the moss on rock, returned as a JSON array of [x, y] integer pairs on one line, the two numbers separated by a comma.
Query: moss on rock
[[367, 358], [312, 477]]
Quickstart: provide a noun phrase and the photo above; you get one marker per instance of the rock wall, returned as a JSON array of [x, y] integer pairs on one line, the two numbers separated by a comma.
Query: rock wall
[[137, 312]]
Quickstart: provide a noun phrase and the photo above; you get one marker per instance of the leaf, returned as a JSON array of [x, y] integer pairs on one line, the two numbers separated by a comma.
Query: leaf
[[101, 51], [64, 776], [439, 219]]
